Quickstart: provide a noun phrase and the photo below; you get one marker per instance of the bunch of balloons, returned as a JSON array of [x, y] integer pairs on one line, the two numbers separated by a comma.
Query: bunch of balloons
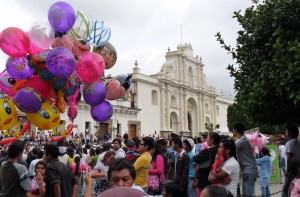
[[52, 64], [257, 141]]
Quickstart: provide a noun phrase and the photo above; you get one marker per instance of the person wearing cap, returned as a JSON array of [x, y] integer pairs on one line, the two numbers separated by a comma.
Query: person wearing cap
[[188, 145], [131, 154]]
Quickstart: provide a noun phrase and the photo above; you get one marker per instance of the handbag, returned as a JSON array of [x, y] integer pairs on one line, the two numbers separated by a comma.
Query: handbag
[[153, 182], [205, 164]]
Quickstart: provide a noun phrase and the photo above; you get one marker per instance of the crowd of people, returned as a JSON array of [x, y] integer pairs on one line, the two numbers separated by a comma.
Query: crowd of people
[[211, 165]]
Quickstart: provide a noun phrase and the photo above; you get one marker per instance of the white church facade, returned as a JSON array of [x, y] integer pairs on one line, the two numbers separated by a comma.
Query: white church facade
[[176, 99]]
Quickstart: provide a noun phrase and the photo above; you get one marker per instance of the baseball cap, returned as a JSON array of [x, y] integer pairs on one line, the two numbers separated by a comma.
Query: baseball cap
[[130, 143]]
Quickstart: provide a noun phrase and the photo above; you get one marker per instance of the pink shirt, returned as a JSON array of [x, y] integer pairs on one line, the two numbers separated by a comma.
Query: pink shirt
[[204, 145], [82, 167], [158, 168]]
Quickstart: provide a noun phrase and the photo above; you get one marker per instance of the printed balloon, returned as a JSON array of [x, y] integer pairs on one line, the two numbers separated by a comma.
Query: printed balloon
[[83, 26], [18, 68], [102, 112], [28, 100], [117, 87], [61, 17], [94, 93], [14, 42], [41, 35], [100, 35], [41, 86], [8, 113], [7, 83], [47, 118], [109, 54], [90, 67], [60, 62]]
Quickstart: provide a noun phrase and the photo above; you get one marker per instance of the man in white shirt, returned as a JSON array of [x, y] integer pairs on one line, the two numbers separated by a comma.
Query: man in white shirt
[[120, 153]]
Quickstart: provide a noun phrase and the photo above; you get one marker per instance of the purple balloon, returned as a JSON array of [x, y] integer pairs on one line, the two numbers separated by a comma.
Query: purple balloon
[[102, 112], [18, 68], [61, 17], [28, 100], [60, 62], [94, 93]]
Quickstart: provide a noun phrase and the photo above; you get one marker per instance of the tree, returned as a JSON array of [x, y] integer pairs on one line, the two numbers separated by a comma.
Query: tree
[[235, 114], [267, 56]]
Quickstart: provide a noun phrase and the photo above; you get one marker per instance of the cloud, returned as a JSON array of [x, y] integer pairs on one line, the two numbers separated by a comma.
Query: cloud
[[143, 30]]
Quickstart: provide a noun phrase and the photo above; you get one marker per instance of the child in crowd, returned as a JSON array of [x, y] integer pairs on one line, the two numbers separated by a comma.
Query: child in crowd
[[265, 164]]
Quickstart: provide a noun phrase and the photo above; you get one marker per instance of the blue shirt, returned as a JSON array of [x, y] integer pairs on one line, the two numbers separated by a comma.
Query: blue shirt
[[265, 164], [191, 167]]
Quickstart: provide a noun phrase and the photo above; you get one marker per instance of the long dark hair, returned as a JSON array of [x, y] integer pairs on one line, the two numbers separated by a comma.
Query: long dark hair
[[157, 151], [230, 144], [77, 162]]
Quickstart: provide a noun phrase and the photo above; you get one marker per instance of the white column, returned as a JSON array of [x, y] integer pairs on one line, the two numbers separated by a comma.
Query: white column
[[203, 113], [167, 96], [162, 108], [185, 116], [181, 127]]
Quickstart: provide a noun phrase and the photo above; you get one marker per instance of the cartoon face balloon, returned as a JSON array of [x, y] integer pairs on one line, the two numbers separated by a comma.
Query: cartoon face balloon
[[8, 113], [109, 54], [47, 118], [7, 82]]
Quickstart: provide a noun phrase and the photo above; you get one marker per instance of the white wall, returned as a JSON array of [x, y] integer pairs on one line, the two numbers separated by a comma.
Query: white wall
[[150, 114]]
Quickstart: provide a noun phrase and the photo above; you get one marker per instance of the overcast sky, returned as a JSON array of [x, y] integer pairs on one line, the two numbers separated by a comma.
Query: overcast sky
[[143, 30]]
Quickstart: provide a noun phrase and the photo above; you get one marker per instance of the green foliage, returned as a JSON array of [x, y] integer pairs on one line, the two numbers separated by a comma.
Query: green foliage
[[235, 113], [209, 127], [267, 55]]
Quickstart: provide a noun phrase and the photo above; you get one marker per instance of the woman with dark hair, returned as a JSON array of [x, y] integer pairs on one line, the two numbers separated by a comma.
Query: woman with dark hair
[[171, 190], [216, 191], [204, 160], [38, 182], [100, 172], [77, 167], [156, 171], [265, 171], [228, 174]]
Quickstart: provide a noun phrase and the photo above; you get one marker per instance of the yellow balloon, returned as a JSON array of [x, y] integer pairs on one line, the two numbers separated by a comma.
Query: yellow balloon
[[60, 129], [47, 118], [15, 130], [8, 113]]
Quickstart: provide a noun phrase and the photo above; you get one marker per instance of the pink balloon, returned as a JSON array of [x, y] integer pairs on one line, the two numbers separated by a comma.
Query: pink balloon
[[14, 42], [114, 90], [90, 67], [64, 41], [72, 112], [34, 50]]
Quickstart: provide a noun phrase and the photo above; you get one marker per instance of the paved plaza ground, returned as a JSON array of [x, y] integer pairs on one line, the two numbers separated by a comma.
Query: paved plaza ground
[[274, 187]]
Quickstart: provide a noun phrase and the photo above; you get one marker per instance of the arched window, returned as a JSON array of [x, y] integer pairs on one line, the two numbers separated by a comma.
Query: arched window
[[154, 97]]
